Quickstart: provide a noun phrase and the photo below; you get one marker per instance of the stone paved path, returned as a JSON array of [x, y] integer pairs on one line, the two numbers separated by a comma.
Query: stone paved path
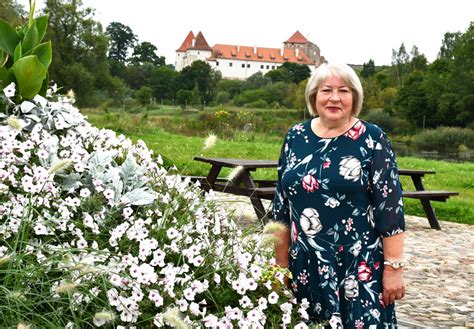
[[439, 274]]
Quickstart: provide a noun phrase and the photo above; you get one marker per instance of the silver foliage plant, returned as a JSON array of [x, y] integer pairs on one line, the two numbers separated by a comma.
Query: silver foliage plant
[[92, 221]]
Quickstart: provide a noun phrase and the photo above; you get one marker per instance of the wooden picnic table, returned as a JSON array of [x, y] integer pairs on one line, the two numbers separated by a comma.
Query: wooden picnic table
[[257, 190]]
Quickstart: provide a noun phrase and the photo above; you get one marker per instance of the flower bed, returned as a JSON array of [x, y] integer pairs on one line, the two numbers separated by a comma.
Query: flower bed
[[94, 231]]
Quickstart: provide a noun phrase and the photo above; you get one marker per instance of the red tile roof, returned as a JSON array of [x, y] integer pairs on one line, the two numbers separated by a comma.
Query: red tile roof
[[187, 43], [246, 53], [297, 37], [201, 43]]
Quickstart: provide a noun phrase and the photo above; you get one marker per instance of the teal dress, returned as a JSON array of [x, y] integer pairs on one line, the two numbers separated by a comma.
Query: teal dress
[[339, 196]]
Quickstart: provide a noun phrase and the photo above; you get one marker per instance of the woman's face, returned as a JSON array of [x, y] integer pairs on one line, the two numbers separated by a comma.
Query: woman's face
[[334, 100]]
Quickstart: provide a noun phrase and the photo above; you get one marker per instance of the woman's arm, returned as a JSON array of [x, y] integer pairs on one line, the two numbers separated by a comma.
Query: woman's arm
[[392, 279], [282, 247]]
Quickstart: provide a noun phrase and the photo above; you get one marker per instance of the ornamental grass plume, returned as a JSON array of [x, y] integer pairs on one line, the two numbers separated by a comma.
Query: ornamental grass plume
[[60, 166], [274, 227], [13, 122], [104, 317], [66, 287], [235, 173], [172, 317], [210, 141], [5, 259]]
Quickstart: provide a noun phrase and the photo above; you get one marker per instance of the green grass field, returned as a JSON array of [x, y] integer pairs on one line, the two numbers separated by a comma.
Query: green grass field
[[181, 148]]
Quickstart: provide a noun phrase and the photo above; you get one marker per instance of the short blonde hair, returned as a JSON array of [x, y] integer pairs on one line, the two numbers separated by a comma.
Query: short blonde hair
[[343, 71]]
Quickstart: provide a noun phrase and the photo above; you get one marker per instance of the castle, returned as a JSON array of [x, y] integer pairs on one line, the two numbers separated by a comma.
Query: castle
[[240, 62]]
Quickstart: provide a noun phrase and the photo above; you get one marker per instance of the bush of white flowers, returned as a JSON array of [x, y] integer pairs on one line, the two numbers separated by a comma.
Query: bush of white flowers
[[94, 231]]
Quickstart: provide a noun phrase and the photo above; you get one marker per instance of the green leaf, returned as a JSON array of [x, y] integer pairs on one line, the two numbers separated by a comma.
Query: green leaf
[[9, 38], [42, 25], [31, 38], [6, 77], [44, 86], [43, 52], [29, 74], [18, 52]]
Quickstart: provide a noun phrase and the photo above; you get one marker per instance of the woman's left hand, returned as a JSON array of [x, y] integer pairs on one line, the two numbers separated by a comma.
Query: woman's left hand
[[393, 285]]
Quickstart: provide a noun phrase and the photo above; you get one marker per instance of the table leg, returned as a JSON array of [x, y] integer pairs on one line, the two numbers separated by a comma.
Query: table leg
[[256, 202], [427, 207], [211, 177]]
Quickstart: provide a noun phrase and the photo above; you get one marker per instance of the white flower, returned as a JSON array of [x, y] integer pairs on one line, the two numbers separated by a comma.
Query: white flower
[[350, 168], [351, 287], [336, 322], [9, 90], [332, 202], [273, 297], [310, 222]]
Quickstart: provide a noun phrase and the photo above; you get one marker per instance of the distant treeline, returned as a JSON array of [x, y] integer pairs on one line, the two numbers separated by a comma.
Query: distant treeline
[[111, 68]]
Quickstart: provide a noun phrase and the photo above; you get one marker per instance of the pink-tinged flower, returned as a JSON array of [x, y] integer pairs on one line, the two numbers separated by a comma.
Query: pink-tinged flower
[[359, 324], [294, 232], [364, 271], [326, 163], [355, 132], [377, 265], [310, 183]]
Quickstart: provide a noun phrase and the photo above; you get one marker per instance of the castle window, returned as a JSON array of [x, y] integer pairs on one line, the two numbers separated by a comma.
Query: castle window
[[243, 65], [268, 66], [230, 64], [273, 67], [217, 63], [261, 66], [248, 65]]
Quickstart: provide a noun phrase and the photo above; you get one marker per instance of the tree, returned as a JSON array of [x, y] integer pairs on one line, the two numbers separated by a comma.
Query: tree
[[368, 69], [143, 95], [145, 52], [11, 12], [418, 60], [201, 74], [163, 82], [447, 47], [121, 39], [296, 72], [80, 47], [255, 81], [400, 60]]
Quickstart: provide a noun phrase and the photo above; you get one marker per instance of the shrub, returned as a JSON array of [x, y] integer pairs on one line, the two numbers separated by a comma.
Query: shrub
[[444, 139], [259, 104], [381, 119], [94, 231]]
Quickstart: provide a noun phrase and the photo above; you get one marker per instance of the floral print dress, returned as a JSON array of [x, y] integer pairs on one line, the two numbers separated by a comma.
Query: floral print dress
[[340, 196]]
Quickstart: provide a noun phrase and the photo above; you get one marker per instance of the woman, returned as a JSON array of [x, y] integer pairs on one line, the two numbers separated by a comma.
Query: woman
[[339, 195]]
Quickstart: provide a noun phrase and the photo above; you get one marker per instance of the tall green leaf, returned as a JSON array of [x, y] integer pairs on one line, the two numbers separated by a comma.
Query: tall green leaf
[[31, 38], [18, 52], [29, 74], [5, 77], [9, 38], [41, 24], [44, 53]]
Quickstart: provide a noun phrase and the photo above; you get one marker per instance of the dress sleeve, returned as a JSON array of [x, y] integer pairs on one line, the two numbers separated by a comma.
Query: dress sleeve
[[386, 192], [281, 210]]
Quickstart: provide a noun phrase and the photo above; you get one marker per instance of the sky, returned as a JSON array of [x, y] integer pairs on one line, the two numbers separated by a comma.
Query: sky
[[346, 31]]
